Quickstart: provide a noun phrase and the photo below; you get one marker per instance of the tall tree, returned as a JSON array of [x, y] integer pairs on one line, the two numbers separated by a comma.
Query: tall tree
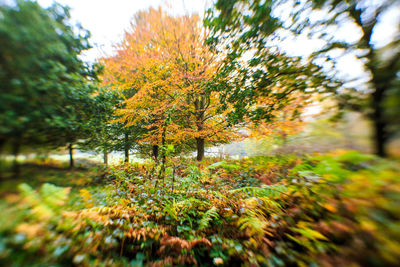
[[166, 58], [260, 24], [43, 81]]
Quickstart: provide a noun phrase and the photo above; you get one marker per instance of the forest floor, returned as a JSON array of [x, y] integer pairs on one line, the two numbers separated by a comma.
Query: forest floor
[[340, 208], [36, 174]]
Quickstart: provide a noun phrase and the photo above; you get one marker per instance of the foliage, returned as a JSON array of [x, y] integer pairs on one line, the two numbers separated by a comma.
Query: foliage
[[257, 78], [165, 61], [44, 84], [333, 209], [103, 135], [247, 25]]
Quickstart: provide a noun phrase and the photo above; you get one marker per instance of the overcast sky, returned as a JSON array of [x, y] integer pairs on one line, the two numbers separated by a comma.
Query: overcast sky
[[107, 20]]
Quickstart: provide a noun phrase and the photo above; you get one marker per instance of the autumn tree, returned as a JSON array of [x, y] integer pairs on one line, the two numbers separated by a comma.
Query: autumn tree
[[164, 58], [197, 67]]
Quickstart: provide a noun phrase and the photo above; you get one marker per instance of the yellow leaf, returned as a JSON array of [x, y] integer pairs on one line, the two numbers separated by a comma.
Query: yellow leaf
[[330, 207]]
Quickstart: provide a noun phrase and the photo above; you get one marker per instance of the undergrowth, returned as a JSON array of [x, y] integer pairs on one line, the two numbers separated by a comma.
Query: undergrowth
[[338, 209]]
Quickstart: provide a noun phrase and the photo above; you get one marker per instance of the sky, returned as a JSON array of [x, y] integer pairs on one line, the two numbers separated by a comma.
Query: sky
[[107, 20]]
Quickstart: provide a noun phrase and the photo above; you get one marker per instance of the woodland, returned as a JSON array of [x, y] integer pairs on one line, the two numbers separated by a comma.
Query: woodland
[[317, 185]]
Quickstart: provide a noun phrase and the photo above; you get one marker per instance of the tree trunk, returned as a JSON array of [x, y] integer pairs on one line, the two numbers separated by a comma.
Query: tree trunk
[[161, 173], [379, 124], [105, 157], [200, 149], [155, 152], [2, 143], [126, 149], [284, 139], [71, 158], [15, 150], [163, 156]]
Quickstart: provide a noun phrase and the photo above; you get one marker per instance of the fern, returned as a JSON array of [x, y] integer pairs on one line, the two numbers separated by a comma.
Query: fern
[[170, 208], [207, 217], [220, 195], [266, 191], [194, 172], [253, 222]]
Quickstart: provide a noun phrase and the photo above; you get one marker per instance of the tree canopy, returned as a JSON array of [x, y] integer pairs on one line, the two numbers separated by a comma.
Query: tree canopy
[[261, 25], [44, 83]]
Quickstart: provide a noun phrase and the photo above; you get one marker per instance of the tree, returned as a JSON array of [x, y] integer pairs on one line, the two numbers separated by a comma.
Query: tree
[[165, 59], [103, 133], [254, 67], [76, 117], [43, 81], [268, 22]]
